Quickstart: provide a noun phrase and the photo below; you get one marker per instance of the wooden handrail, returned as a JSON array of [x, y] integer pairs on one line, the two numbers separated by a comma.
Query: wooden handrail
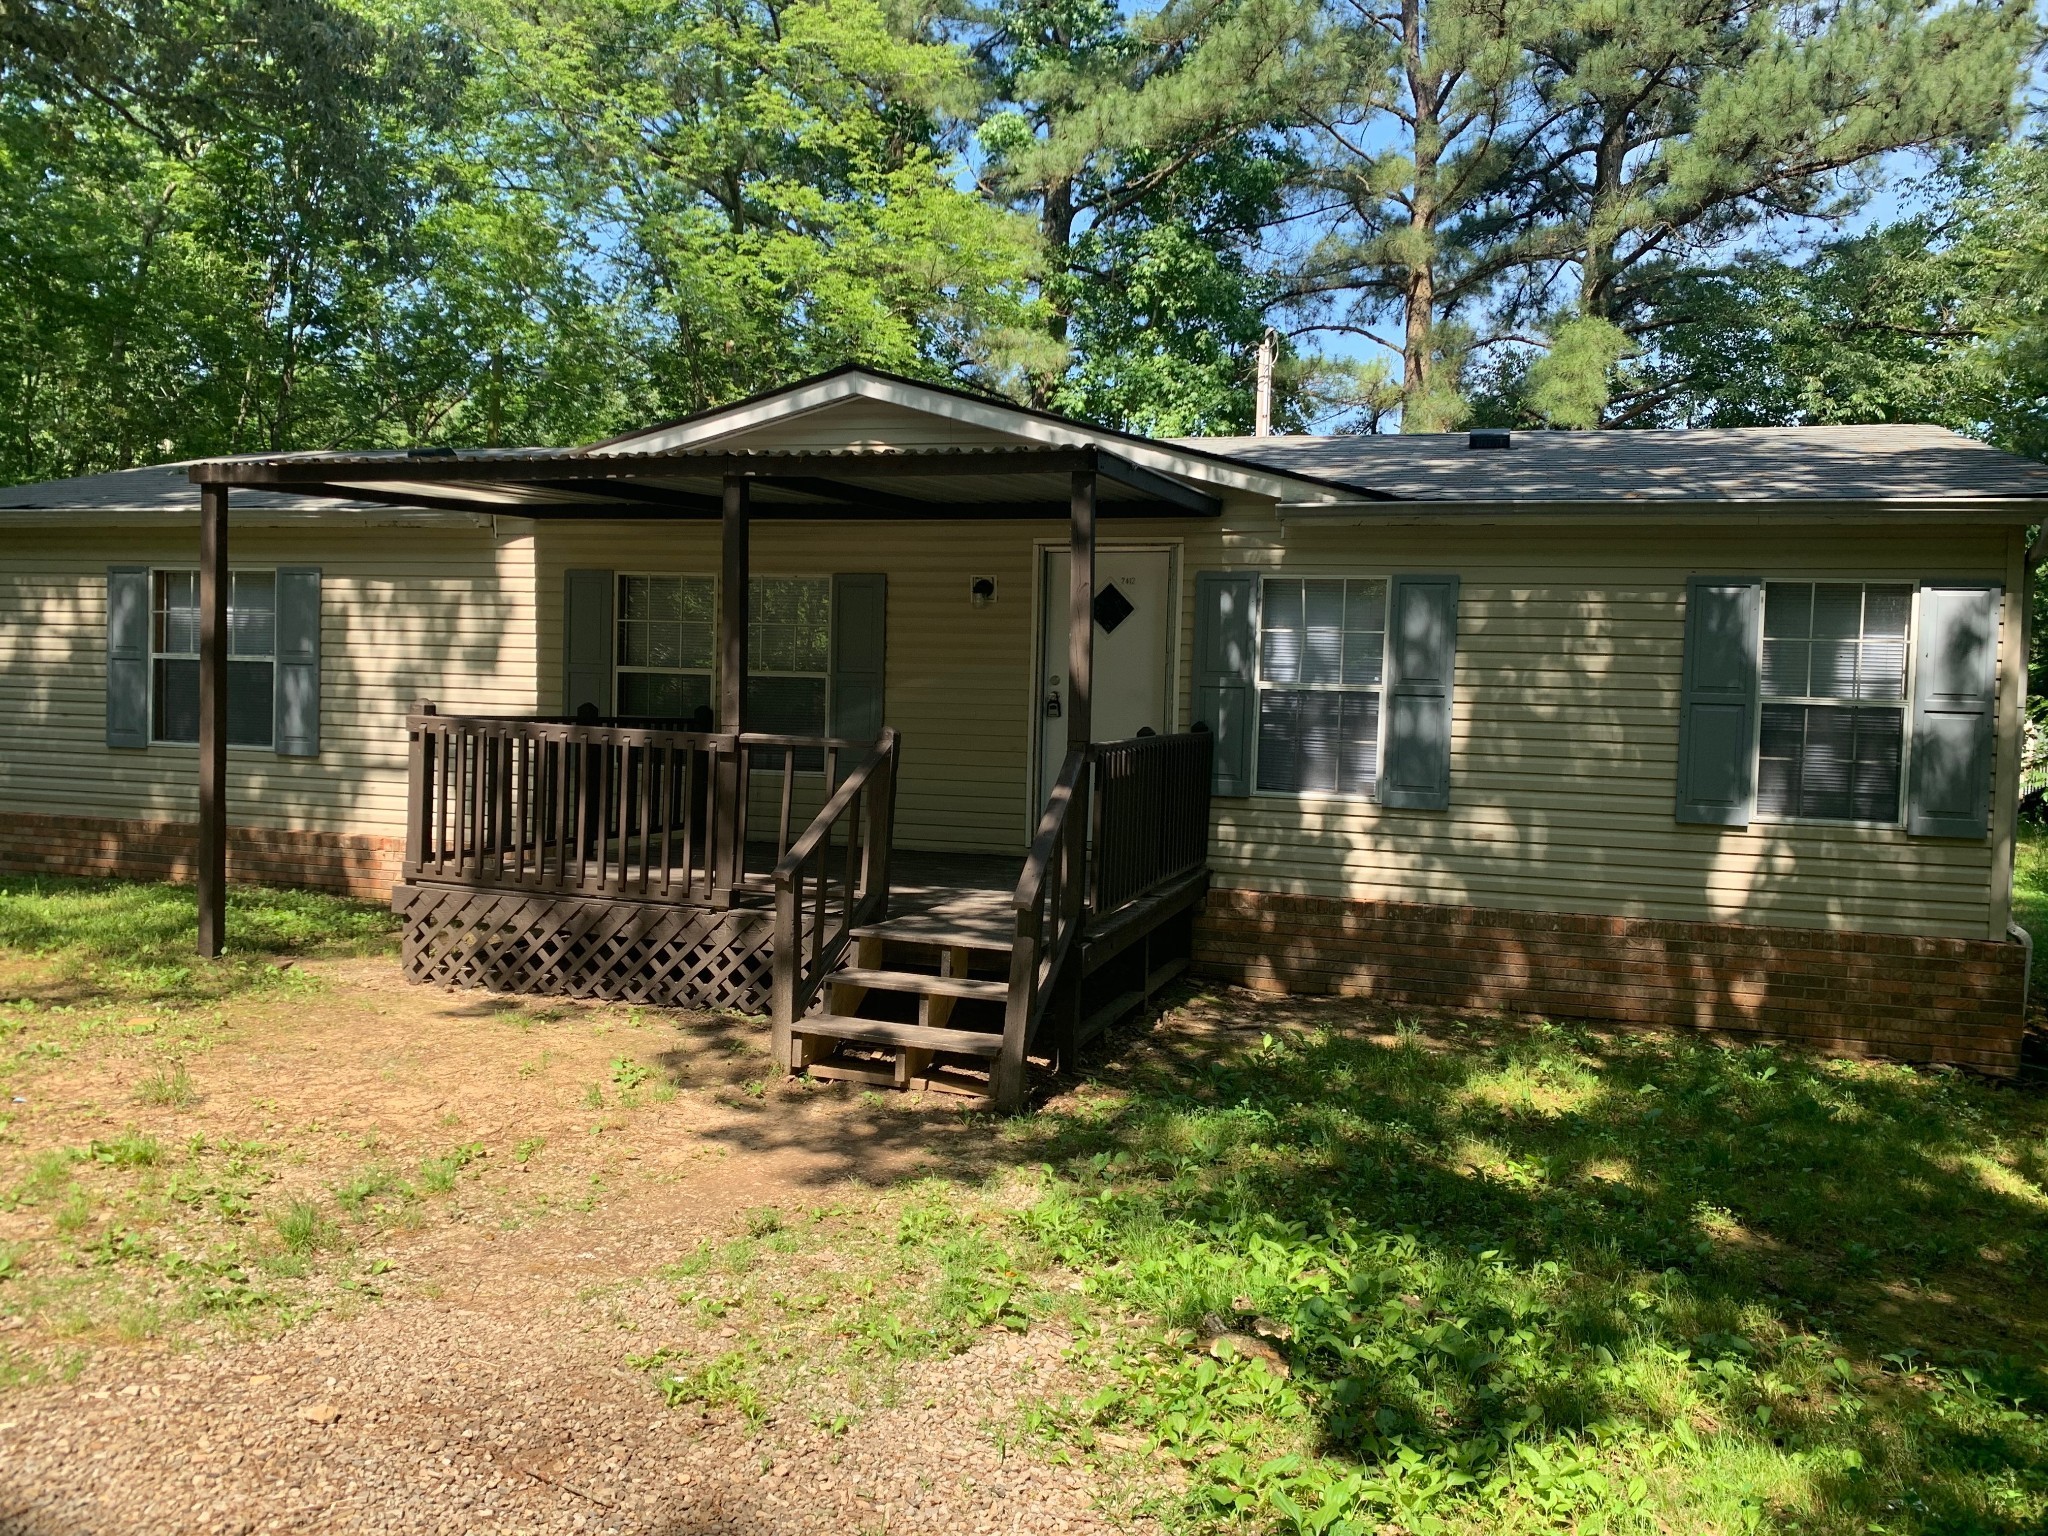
[[1050, 896], [811, 933], [769, 739], [849, 789]]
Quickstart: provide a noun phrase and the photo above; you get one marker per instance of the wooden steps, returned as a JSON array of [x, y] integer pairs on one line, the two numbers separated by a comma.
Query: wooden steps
[[967, 1042], [894, 1018], [942, 931], [920, 984], [923, 997]]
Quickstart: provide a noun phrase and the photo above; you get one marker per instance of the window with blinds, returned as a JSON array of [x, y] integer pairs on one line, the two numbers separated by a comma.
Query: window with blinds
[[252, 657], [1831, 744], [1322, 660], [666, 627]]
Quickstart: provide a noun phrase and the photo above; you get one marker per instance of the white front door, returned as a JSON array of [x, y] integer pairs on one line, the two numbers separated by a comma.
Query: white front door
[[1134, 613]]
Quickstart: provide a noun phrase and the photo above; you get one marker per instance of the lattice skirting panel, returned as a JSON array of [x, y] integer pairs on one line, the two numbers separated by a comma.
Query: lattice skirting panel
[[671, 957]]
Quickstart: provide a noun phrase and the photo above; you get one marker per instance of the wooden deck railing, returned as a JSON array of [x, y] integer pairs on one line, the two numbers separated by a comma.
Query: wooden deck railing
[[1051, 907], [634, 810], [558, 806], [1150, 815], [820, 900]]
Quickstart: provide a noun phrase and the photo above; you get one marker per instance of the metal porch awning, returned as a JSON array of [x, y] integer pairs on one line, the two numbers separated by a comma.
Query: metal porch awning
[[891, 484]]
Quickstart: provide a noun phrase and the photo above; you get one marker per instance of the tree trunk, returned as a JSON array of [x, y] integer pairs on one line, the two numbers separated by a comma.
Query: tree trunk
[[1596, 273], [1418, 295], [1056, 229]]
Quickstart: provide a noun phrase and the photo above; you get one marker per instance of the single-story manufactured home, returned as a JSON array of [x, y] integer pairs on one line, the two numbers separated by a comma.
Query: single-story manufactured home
[[944, 730]]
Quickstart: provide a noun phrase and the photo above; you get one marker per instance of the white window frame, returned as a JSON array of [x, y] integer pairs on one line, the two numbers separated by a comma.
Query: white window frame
[[1904, 705], [1260, 687], [155, 655], [619, 668]]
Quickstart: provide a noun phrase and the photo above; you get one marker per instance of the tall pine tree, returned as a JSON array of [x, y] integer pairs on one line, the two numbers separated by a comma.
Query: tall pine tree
[[1687, 124]]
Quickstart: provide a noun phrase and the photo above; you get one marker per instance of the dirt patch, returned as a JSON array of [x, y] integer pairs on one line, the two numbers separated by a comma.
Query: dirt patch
[[459, 1208]]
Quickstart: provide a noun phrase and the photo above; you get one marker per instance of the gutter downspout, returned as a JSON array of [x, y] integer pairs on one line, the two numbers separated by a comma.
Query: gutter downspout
[[2036, 552], [2015, 934]]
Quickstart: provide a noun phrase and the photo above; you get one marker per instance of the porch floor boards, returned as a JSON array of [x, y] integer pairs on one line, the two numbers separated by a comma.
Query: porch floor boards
[[958, 898]]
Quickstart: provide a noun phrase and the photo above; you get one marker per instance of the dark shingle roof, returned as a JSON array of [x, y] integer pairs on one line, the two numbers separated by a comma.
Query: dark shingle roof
[[161, 488], [1870, 463]]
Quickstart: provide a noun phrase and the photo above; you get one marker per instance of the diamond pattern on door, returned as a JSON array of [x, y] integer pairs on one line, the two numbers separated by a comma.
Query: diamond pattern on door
[[1112, 608]]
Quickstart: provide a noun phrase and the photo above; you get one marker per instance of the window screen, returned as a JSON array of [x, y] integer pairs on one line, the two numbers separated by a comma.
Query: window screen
[[789, 658], [252, 657], [666, 628], [1322, 658], [1832, 740]]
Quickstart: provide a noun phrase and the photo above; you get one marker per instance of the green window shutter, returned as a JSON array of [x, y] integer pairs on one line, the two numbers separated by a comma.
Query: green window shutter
[[1226, 648], [1718, 701], [586, 641], [298, 661], [860, 628], [1422, 656], [127, 655], [1955, 707]]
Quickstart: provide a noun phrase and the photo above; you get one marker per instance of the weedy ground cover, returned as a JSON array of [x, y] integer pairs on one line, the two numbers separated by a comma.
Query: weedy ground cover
[[1530, 1278], [818, 1312], [1510, 1276], [165, 1225], [117, 940]]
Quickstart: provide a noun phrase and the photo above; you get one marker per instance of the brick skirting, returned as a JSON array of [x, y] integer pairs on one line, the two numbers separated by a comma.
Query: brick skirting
[[367, 867], [1859, 994]]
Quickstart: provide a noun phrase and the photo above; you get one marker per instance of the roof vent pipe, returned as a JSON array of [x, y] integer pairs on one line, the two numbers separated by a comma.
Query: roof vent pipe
[[1262, 407], [1490, 437]]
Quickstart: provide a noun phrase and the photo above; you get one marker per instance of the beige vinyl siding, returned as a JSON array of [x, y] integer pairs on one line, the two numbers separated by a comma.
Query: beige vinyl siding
[[959, 678], [1565, 738], [1570, 645], [405, 613], [1566, 719]]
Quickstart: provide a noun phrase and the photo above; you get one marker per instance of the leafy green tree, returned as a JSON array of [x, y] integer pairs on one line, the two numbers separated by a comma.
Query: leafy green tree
[[1939, 317], [1152, 152], [1688, 124], [198, 197], [767, 187]]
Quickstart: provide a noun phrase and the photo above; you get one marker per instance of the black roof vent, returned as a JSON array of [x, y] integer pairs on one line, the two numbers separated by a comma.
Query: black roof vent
[[1490, 437]]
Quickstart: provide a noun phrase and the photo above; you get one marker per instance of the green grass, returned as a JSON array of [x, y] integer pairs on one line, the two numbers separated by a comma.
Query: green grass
[[302, 1227], [1540, 1279], [130, 940], [2030, 899], [168, 1088]]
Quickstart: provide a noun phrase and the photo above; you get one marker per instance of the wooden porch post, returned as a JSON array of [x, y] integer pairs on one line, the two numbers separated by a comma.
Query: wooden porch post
[[1081, 613], [213, 719], [735, 534]]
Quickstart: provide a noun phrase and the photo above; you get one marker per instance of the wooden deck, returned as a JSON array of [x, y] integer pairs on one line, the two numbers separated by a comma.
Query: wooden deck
[[615, 859]]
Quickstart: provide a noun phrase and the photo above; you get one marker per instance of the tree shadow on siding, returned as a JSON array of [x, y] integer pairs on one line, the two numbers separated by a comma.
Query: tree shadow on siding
[[1563, 778]]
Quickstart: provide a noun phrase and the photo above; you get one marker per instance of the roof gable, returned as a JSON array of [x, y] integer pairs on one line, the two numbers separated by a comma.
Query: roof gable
[[862, 407]]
